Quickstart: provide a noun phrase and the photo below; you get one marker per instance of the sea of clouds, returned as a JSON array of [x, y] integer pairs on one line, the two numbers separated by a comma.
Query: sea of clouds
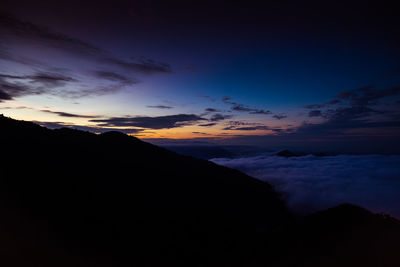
[[311, 183]]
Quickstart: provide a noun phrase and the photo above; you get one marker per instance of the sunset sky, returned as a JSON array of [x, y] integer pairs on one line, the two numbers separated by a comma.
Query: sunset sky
[[234, 73]]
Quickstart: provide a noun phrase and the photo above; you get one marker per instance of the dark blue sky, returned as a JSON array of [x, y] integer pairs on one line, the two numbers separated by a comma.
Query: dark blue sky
[[317, 74]]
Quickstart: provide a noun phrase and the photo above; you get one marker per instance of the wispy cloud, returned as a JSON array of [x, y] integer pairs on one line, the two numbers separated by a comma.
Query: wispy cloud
[[220, 117], [70, 115], [115, 77], [12, 27], [315, 113], [244, 108], [160, 107], [208, 124], [279, 116], [212, 110], [247, 128], [93, 129], [161, 122]]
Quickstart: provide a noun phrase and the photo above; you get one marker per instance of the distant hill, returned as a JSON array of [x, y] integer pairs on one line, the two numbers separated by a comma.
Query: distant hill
[[201, 151], [73, 198], [287, 154]]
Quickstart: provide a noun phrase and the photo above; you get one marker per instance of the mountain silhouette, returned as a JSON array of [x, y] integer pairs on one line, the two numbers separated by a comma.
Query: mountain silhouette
[[74, 198], [286, 153], [201, 151]]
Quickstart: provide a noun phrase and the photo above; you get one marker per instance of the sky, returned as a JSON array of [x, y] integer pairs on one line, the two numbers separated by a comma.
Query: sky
[[322, 75]]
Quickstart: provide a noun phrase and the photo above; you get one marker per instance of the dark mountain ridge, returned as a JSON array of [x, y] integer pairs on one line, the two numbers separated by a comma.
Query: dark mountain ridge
[[73, 198]]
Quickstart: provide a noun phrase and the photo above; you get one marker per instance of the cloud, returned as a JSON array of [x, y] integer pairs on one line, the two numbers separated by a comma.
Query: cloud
[[280, 116], [315, 113], [220, 117], [247, 128], [208, 124], [367, 95], [334, 102], [142, 65], [18, 107], [14, 28], [69, 115], [313, 106], [260, 111], [161, 122], [6, 55], [312, 183], [359, 110], [115, 77], [243, 108], [12, 86], [212, 110], [10, 89], [58, 125], [207, 97], [160, 107], [200, 133]]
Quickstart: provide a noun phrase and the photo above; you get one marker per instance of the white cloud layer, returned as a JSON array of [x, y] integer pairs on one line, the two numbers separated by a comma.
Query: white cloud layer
[[311, 183]]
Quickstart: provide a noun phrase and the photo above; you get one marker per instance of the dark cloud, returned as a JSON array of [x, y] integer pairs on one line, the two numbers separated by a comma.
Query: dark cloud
[[6, 55], [240, 107], [69, 115], [341, 121], [160, 107], [226, 99], [334, 102], [10, 89], [359, 110], [3, 94], [142, 65], [115, 77], [248, 128], [58, 125], [238, 123], [208, 124], [211, 110], [162, 122], [314, 106], [260, 111], [50, 79], [245, 126], [315, 113], [367, 95], [220, 117], [323, 105], [243, 108], [12, 27], [200, 133], [207, 97], [12, 86], [280, 116], [18, 107]]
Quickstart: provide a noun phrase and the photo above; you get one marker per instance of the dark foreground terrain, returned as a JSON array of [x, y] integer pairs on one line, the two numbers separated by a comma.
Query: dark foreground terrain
[[72, 198]]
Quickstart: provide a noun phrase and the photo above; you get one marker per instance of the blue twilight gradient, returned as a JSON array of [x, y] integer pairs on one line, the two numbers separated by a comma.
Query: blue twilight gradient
[[257, 66]]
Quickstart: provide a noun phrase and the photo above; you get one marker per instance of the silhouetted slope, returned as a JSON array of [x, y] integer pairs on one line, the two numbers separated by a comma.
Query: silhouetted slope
[[286, 153], [72, 198], [119, 197], [201, 151], [346, 235]]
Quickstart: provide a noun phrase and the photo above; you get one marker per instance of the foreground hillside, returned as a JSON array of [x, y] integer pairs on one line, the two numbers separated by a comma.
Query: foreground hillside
[[73, 198]]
